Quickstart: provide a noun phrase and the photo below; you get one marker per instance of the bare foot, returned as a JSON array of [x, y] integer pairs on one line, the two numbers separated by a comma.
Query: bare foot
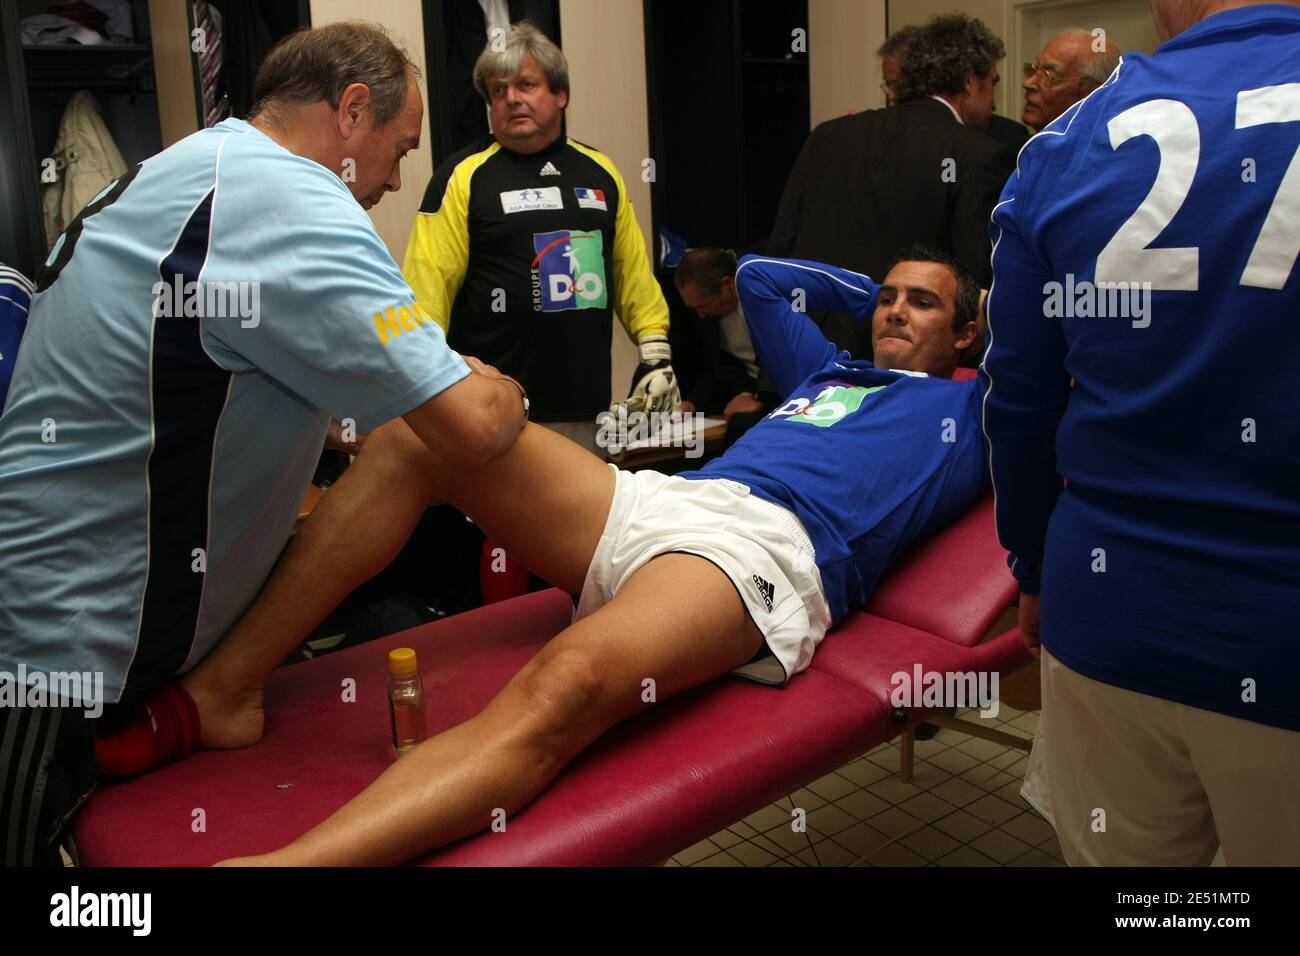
[[229, 718], [245, 861]]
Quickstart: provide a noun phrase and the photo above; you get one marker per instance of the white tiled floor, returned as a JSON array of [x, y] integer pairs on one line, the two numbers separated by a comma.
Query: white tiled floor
[[962, 808]]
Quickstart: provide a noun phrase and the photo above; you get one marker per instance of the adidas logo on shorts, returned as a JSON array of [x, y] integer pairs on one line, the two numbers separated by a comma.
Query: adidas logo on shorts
[[549, 170], [765, 590]]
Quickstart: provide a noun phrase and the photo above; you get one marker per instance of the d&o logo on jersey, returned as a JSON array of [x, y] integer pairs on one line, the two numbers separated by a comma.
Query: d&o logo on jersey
[[568, 270], [830, 405]]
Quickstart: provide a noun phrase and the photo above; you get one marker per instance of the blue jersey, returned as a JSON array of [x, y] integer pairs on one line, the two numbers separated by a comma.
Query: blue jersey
[[192, 334], [1145, 249], [869, 459], [15, 299]]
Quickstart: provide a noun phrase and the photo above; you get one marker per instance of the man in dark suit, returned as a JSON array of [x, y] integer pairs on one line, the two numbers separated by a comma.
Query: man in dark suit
[[869, 185], [1006, 131]]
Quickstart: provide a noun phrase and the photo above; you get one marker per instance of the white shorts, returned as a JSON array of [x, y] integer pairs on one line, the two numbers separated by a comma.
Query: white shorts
[[761, 547]]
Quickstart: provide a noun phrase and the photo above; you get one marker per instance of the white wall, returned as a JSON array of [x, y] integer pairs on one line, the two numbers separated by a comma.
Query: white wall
[[843, 69], [173, 62], [1126, 22], [405, 23]]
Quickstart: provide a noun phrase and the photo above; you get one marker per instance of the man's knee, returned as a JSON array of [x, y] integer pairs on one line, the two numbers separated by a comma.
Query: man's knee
[[398, 451], [566, 698]]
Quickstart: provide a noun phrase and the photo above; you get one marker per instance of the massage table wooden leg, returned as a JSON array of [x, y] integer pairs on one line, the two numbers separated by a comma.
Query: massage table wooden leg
[[979, 730]]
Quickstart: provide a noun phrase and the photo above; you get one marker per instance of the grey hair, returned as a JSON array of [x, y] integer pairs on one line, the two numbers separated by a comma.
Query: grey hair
[[319, 63], [1097, 67], [898, 41], [500, 59]]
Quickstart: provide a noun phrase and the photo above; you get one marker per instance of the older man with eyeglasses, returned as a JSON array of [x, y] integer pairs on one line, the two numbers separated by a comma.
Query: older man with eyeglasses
[[1070, 67]]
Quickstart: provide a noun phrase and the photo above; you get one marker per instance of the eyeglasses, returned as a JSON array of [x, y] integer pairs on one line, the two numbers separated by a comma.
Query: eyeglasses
[[1050, 76]]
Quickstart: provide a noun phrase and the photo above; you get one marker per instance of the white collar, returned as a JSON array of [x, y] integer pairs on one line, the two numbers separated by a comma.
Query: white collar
[[955, 114]]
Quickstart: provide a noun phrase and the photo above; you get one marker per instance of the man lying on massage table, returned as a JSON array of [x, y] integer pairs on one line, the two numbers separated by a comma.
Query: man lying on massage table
[[741, 566]]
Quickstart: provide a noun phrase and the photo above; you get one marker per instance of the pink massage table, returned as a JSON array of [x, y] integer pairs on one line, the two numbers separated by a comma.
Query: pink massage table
[[650, 787]]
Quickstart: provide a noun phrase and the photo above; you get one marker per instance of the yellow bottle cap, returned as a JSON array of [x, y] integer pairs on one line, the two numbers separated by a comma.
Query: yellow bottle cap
[[401, 662]]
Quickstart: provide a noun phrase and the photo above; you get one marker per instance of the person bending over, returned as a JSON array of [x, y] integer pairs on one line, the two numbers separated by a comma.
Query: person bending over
[[763, 550], [193, 332]]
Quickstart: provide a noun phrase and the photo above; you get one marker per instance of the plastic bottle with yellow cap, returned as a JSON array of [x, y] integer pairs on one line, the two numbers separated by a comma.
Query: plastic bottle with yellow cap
[[405, 699]]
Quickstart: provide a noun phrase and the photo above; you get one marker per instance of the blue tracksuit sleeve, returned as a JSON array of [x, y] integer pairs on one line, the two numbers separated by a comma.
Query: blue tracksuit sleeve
[[1025, 391], [776, 295]]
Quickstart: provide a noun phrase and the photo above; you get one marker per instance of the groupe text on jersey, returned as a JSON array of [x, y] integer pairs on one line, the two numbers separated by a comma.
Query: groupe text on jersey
[[193, 331], [523, 259]]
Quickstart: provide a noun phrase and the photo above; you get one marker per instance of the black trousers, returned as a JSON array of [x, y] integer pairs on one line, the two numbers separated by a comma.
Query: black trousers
[[47, 770]]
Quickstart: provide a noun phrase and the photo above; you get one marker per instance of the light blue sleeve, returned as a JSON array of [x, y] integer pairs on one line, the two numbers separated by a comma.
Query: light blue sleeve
[[334, 320]]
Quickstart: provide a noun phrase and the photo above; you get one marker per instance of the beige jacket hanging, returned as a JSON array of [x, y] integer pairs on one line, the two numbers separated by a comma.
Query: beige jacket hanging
[[86, 160]]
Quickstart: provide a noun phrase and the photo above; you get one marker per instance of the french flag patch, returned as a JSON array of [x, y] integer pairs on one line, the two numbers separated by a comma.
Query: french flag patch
[[591, 198]]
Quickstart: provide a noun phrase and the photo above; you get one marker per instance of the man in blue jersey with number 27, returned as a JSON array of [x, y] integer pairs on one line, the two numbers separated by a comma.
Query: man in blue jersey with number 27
[[1144, 441], [739, 567]]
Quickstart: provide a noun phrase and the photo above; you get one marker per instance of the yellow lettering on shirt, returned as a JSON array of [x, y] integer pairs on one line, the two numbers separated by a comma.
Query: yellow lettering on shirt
[[390, 323], [386, 326]]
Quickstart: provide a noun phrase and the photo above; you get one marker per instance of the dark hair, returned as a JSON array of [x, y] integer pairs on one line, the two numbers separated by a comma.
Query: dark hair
[[705, 268], [968, 290], [319, 63], [898, 42], [950, 48]]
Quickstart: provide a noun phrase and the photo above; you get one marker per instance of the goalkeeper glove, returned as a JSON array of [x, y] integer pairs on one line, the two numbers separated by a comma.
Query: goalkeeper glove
[[654, 385]]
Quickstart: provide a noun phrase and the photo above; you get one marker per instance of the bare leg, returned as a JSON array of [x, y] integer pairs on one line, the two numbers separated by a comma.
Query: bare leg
[[679, 621], [545, 500]]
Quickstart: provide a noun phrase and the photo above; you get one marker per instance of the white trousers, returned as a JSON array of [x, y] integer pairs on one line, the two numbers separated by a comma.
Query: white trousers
[[1134, 780]]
